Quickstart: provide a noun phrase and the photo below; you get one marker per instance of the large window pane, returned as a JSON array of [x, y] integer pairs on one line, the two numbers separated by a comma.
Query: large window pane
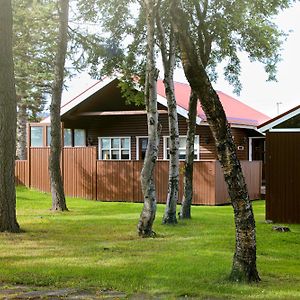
[[125, 154], [115, 143], [105, 143], [105, 154], [67, 137], [79, 137], [36, 134], [125, 143], [115, 154], [182, 142]]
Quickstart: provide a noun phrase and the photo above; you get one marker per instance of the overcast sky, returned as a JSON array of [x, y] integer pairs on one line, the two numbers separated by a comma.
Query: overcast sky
[[256, 91]]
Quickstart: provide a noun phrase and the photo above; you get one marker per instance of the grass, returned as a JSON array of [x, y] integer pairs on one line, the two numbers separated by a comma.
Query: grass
[[95, 245]]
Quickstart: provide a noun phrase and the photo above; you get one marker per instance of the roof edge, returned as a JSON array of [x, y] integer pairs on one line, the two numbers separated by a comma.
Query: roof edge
[[279, 119]]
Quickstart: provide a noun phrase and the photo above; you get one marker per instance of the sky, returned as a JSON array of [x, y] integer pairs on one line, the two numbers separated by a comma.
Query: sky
[[267, 97]]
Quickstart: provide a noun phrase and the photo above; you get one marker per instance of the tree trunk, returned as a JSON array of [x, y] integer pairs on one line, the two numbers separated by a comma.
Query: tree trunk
[[172, 197], [168, 58], [8, 102], [147, 181], [185, 210], [57, 189], [21, 132], [244, 261]]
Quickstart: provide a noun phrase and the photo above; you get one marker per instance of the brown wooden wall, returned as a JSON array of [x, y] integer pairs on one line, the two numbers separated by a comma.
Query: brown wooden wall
[[136, 125], [86, 177], [283, 177]]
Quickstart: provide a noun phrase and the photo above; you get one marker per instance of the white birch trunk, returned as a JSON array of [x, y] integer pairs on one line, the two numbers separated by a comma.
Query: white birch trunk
[[185, 210], [168, 58], [147, 181]]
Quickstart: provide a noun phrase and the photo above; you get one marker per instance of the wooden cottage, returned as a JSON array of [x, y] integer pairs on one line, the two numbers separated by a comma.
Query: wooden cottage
[[283, 166], [100, 119]]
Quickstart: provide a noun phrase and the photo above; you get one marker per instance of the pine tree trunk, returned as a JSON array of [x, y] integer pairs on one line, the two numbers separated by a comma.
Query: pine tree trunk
[[185, 210], [147, 181], [21, 132], [244, 261], [8, 220], [57, 189]]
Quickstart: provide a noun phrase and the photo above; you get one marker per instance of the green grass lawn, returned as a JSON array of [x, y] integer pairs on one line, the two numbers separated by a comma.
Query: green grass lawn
[[95, 245]]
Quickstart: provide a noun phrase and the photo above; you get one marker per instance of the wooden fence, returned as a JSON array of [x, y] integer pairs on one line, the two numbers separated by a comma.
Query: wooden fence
[[86, 177]]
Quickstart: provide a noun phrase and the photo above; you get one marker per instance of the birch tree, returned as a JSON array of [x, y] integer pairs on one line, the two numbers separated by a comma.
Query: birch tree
[[8, 220], [186, 203], [248, 28], [147, 180], [167, 45], [57, 188]]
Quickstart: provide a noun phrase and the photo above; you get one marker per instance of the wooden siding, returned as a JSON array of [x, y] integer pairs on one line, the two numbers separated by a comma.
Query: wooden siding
[[136, 125], [21, 172], [85, 176], [283, 177]]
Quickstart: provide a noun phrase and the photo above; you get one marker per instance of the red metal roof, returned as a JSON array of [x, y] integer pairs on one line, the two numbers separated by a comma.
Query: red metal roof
[[237, 112]]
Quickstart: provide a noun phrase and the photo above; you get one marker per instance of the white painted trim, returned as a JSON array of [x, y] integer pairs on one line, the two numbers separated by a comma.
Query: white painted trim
[[113, 137], [250, 148], [137, 148], [284, 130], [280, 120], [180, 110]]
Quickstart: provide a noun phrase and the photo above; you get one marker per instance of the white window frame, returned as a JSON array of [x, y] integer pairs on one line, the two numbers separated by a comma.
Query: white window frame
[[196, 147], [137, 138], [120, 149]]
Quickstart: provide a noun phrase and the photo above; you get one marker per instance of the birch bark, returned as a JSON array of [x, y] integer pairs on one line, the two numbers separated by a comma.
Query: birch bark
[[185, 210], [244, 260], [168, 58], [147, 216]]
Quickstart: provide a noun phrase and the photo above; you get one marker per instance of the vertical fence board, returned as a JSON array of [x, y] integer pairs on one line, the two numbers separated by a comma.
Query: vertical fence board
[[21, 172], [39, 174], [79, 172]]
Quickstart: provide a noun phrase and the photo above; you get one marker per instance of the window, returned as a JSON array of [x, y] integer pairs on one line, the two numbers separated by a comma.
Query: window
[[36, 136], [68, 137], [182, 147], [79, 138], [48, 135], [114, 148], [141, 149]]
